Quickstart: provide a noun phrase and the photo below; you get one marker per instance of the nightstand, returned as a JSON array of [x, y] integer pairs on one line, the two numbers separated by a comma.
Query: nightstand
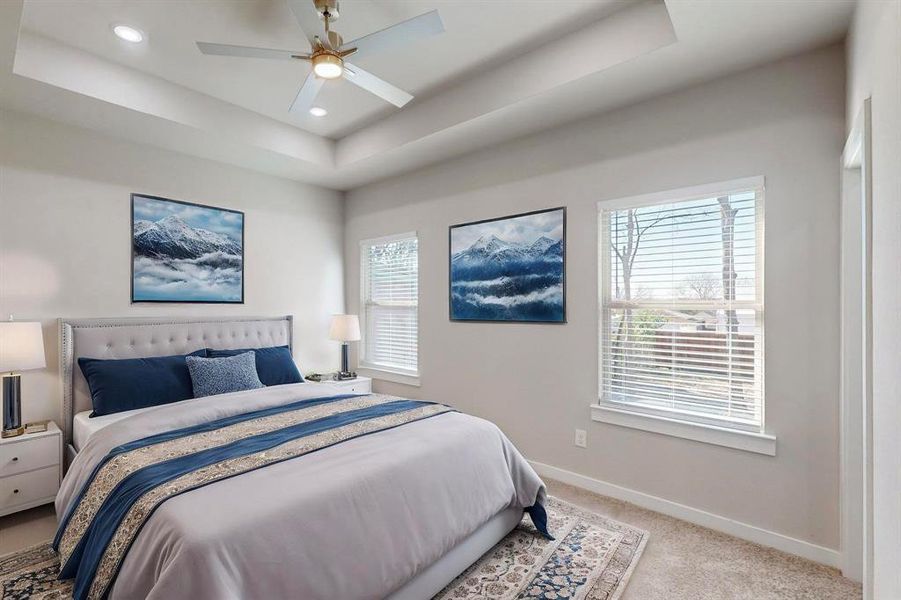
[[30, 469], [359, 385]]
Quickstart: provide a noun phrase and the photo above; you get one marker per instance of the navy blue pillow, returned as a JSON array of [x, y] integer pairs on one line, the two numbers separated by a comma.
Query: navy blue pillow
[[130, 383], [275, 366]]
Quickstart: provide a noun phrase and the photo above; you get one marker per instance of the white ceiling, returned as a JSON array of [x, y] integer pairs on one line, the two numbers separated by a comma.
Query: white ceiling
[[503, 69], [476, 33]]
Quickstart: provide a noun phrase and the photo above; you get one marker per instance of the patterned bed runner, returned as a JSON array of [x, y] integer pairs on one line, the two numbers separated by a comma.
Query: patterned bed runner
[[135, 478]]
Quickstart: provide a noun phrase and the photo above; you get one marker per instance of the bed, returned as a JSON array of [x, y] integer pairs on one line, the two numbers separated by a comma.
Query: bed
[[398, 511]]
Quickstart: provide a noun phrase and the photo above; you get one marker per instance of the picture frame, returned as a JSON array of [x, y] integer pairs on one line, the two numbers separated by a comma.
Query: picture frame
[[194, 257], [509, 269]]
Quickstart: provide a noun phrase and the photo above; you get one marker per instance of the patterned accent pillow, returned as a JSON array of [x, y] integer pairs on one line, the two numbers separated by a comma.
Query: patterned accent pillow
[[211, 376]]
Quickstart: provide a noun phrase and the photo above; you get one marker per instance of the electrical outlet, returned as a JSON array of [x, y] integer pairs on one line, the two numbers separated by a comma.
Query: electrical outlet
[[581, 438]]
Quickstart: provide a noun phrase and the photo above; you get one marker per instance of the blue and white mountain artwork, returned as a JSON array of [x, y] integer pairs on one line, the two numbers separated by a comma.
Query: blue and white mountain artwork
[[176, 262], [498, 280]]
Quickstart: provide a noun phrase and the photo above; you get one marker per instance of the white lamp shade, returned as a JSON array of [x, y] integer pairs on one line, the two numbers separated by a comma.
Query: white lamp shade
[[345, 328], [21, 346]]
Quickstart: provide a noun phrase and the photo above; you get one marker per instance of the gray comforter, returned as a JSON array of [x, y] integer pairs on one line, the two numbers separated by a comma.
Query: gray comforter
[[355, 520]]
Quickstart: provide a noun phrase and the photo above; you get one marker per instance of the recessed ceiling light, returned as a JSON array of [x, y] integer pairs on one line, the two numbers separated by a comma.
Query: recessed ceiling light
[[318, 111], [129, 34]]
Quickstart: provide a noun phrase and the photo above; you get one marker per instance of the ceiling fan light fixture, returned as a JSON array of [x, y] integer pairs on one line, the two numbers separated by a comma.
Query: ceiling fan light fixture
[[328, 66], [328, 52], [128, 33]]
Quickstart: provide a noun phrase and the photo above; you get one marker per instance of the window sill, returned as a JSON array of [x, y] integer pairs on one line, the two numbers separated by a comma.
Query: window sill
[[761, 443], [392, 376]]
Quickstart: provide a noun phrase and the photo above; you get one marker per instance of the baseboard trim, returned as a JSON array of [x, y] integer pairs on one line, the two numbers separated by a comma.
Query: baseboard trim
[[751, 533]]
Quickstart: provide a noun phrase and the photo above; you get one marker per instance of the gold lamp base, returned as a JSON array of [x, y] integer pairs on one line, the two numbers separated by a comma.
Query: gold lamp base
[[10, 433]]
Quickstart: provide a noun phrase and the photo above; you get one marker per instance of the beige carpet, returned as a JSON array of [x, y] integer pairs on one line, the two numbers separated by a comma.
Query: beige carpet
[[686, 562]]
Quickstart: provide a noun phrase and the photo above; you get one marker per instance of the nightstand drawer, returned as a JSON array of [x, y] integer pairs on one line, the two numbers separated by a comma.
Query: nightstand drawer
[[360, 385], [356, 387], [28, 487], [29, 454]]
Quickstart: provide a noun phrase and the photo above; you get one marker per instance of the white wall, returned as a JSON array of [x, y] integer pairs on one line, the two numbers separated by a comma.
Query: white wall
[[65, 239], [784, 121], [874, 70]]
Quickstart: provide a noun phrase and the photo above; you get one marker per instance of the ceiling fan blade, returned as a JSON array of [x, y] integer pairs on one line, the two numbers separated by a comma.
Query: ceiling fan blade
[[248, 51], [307, 94], [411, 30], [307, 18], [374, 85]]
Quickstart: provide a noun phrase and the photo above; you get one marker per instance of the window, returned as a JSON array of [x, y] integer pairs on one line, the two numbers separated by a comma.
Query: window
[[390, 301], [681, 306]]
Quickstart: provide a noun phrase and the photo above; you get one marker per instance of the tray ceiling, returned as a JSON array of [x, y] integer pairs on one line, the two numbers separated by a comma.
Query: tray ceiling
[[502, 69], [477, 34]]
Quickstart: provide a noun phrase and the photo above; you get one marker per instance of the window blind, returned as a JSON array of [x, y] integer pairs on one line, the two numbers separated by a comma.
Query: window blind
[[390, 300], [681, 309]]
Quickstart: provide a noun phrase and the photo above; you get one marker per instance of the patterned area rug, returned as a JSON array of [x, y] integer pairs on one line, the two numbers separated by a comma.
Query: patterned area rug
[[32, 574], [591, 558]]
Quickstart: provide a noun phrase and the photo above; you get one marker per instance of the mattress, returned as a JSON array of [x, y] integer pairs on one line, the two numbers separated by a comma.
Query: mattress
[[83, 426]]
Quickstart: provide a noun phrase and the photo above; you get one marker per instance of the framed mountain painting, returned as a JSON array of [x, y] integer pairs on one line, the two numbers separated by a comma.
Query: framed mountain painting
[[510, 269], [184, 252]]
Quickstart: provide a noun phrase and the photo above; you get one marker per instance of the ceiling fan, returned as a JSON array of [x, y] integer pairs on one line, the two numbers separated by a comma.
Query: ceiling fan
[[328, 52]]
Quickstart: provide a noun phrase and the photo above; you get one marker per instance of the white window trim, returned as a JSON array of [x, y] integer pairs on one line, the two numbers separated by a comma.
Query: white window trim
[[385, 239], [684, 194], [376, 371], [384, 374], [760, 442]]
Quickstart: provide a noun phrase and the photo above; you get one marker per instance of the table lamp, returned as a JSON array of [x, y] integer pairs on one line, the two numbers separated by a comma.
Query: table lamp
[[21, 349], [345, 328]]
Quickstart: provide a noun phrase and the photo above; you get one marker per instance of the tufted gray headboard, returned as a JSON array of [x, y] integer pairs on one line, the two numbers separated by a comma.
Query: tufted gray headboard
[[143, 337]]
